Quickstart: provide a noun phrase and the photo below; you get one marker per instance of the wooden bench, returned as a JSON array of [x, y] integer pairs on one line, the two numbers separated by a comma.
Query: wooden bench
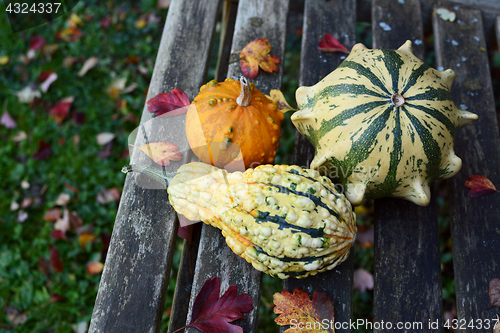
[[407, 260]]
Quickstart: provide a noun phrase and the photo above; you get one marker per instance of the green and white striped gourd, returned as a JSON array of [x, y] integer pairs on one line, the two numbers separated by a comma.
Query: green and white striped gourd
[[284, 220], [383, 124]]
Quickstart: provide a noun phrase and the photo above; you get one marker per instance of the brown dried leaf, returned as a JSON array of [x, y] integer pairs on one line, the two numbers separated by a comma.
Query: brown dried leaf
[[161, 152], [301, 309]]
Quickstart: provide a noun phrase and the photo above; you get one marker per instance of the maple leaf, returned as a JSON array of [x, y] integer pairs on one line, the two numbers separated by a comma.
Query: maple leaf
[[277, 96], [299, 307], [60, 111], [255, 55], [330, 44], [55, 259], [163, 103], [161, 152], [494, 292], [479, 186], [212, 314]]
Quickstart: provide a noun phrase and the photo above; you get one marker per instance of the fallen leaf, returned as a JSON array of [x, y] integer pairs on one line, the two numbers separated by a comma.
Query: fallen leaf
[[494, 292], [55, 259], [75, 20], [28, 94], [15, 316], [22, 216], [63, 199], [14, 205], [277, 96], [116, 87], [106, 22], [140, 23], [132, 59], [44, 86], [62, 223], [88, 65], [71, 188], [106, 196], [300, 308], [71, 34], [26, 202], [105, 152], [362, 280], [84, 238], [161, 4], [7, 120], [104, 138], [4, 60], [166, 102], [43, 266], [255, 55], [446, 14], [69, 61], [21, 136], [37, 42], [94, 267], [52, 215], [60, 111], [56, 298], [161, 152], [213, 314], [50, 49], [75, 221], [80, 327], [330, 44], [479, 186], [58, 234], [43, 152]]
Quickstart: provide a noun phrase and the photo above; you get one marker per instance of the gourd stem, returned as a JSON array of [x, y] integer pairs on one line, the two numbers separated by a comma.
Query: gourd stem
[[397, 100], [245, 96], [154, 173]]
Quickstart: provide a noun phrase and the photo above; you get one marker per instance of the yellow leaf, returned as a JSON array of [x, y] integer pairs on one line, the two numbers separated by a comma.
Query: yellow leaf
[[85, 238], [94, 267], [277, 96], [161, 152], [4, 60], [140, 23], [75, 20], [256, 54]]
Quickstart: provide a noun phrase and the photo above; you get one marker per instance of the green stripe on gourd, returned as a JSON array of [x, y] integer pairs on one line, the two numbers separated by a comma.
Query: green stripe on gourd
[[383, 124]]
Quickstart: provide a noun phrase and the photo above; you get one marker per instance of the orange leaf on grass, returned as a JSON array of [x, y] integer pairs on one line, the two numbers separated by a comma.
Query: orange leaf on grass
[[85, 238], [330, 44], [255, 55], [301, 309], [479, 186], [212, 314], [161, 152], [163, 103], [94, 267]]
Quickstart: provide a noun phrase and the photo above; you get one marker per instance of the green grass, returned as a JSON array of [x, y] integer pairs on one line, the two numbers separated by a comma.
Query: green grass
[[26, 285]]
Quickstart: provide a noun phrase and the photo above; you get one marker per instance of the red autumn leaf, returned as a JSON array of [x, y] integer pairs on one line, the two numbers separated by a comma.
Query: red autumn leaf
[[43, 152], [301, 309], [58, 234], [44, 75], [71, 34], [60, 111], [212, 314], [479, 186], [255, 55], [161, 152], [55, 259], [106, 22], [185, 232], [166, 102], [56, 298], [37, 42], [330, 44]]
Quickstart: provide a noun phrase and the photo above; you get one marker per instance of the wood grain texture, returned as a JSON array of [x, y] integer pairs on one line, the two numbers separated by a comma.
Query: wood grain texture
[[339, 19], [407, 260], [475, 222], [255, 19], [133, 283]]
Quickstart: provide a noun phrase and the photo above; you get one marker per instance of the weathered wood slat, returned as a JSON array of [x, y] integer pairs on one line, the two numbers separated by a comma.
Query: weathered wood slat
[[255, 19], [460, 45], [133, 283], [339, 19], [407, 260]]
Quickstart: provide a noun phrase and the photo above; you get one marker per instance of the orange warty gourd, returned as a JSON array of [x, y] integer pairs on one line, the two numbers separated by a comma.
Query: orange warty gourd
[[229, 115]]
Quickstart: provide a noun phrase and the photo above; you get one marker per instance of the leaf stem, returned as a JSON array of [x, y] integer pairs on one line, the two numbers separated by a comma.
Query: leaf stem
[[159, 175]]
